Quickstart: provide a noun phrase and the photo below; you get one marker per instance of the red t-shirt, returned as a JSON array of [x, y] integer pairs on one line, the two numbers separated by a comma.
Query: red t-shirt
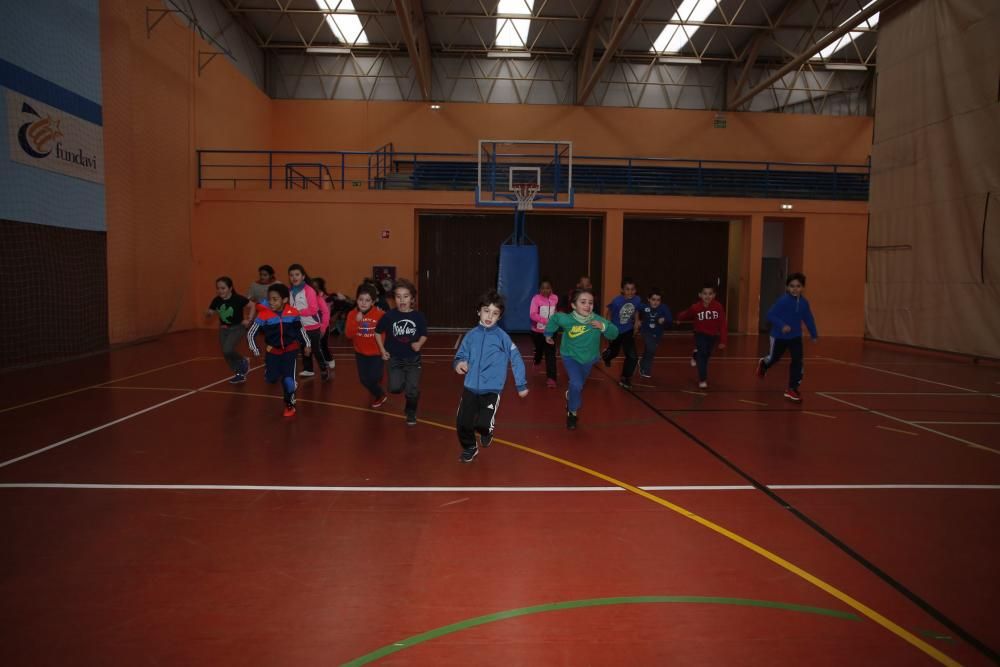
[[710, 319], [363, 333]]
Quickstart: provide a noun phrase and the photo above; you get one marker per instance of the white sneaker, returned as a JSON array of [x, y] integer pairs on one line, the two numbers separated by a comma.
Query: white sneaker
[[702, 385], [306, 374], [694, 364], [331, 364]]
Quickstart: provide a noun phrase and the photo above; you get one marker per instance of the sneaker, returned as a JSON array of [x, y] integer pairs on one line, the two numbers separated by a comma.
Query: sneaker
[[644, 375], [411, 420], [537, 361], [468, 454], [550, 383], [625, 383], [702, 385], [325, 374], [793, 395], [306, 374], [694, 362], [237, 379], [761, 367], [289, 411], [607, 361], [244, 367], [331, 364], [379, 402], [571, 420], [485, 439]]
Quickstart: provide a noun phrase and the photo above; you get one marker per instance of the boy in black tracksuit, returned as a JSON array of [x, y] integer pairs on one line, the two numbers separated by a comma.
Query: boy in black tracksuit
[[283, 335]]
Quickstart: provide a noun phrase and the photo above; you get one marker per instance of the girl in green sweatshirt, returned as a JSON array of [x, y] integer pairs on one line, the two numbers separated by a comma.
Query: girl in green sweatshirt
[[581, 345]]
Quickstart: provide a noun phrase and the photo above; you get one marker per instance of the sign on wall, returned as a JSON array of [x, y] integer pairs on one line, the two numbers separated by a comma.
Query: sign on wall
[[47, 138]]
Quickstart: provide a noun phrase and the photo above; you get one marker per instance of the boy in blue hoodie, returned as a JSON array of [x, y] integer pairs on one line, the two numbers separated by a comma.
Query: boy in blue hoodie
[[786, 317], [283, 335], [482, 358]]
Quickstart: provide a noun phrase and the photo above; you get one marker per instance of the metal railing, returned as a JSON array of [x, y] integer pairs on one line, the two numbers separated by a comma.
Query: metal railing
[[386, 168]]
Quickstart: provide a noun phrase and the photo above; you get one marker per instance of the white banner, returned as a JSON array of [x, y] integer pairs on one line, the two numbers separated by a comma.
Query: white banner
[[45, 137]]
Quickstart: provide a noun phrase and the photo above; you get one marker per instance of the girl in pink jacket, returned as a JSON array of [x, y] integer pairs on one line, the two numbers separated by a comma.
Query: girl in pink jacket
[[306, 301], [543, 305]]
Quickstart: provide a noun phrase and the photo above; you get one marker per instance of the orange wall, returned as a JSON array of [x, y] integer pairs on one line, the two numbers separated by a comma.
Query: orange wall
[[413, 126], [156, 111], [336, 234]]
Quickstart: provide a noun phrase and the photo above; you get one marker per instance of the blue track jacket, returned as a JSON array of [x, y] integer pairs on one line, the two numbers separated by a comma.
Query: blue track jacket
[[488, 351], [793, 312]]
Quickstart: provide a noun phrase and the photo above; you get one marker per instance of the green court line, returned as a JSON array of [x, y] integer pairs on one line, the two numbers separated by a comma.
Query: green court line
[[594, 602]]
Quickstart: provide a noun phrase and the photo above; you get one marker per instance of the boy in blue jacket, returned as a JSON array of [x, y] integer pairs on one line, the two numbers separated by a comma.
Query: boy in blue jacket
[[482, 358], [786, 317], [283, 335]]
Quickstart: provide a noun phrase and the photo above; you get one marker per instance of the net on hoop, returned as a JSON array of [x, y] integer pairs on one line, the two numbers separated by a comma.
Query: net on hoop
[[525, 195]]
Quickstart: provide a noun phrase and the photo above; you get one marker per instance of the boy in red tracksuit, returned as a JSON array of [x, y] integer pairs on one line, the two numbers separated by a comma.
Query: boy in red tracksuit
[[709, 328], [284, 335]]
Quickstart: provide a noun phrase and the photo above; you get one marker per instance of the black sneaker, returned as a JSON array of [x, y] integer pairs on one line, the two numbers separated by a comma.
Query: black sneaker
[[761, 367], [571, 421], [411, 420], [607, 360], [625, 383], [468, 455], [486, 439]]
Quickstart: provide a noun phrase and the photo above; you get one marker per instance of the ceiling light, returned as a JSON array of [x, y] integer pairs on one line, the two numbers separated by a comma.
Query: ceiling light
[[848, 67], [508, 54], [680, 60], [328, 49]]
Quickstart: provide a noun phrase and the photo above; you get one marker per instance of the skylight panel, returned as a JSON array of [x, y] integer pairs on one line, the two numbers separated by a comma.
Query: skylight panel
[[674, 37], [847, 38], [346, 27], [513, 32]]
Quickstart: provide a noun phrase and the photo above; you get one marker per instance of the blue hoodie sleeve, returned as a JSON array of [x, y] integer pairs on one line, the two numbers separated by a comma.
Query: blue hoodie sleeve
[[668, 318], [463, 350], [516, 365], [772, 314], [810, 322]]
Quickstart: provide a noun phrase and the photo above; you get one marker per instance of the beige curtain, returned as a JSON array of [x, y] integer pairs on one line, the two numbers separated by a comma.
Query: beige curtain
[[934, 234]]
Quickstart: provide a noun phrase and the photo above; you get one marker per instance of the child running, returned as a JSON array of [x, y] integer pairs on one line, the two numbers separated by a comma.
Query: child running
[[655, 318], [234, 313], [361, 324], [709, 328], [581, 346], [323, 302], [483, 358], [787, 316], [543, 306], [304, 299], [400, 334], [283, 335], [258, 289], [623, 311]]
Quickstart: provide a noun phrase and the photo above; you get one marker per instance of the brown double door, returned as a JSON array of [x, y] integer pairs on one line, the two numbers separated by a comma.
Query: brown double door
[[459, 257], [676, 255]]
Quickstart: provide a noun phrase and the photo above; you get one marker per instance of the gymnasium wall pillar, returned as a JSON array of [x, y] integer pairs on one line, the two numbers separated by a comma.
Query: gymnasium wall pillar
[[753, 250], [614, 243]]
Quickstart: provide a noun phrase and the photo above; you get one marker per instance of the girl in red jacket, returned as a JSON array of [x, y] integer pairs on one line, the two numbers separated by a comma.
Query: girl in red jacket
[[710, 328]]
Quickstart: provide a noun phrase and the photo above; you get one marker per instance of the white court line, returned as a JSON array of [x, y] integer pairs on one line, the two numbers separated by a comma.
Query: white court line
[[489, 489], [116, 421], [904, 393], [902, 375], [969, 443], [957, 423]]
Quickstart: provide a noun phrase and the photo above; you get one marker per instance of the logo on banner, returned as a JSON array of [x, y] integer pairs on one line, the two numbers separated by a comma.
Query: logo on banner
[[50, 139], [36, 137]]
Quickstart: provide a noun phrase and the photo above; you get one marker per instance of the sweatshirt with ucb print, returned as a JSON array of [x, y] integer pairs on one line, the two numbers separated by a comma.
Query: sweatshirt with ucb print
[[581, 341]]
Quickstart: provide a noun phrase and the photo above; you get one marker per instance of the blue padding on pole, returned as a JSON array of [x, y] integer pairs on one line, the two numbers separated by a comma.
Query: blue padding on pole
[[517, 282]]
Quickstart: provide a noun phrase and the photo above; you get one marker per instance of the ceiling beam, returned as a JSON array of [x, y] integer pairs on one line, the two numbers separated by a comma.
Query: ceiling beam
[[411, 20], [585, 86], [757, 41], [861, 17], [585, 55]]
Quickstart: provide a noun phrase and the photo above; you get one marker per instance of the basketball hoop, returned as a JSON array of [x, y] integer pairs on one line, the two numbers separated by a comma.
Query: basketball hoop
[[525, 195]]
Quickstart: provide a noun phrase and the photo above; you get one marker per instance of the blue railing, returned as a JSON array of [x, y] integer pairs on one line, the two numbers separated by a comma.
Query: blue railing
[[386, 168]]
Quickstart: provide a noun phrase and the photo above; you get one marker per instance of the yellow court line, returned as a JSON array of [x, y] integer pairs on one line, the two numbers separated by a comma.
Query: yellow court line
[[860, 607], [743, 400], [896, 430], [95, 386], [818, 414]]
